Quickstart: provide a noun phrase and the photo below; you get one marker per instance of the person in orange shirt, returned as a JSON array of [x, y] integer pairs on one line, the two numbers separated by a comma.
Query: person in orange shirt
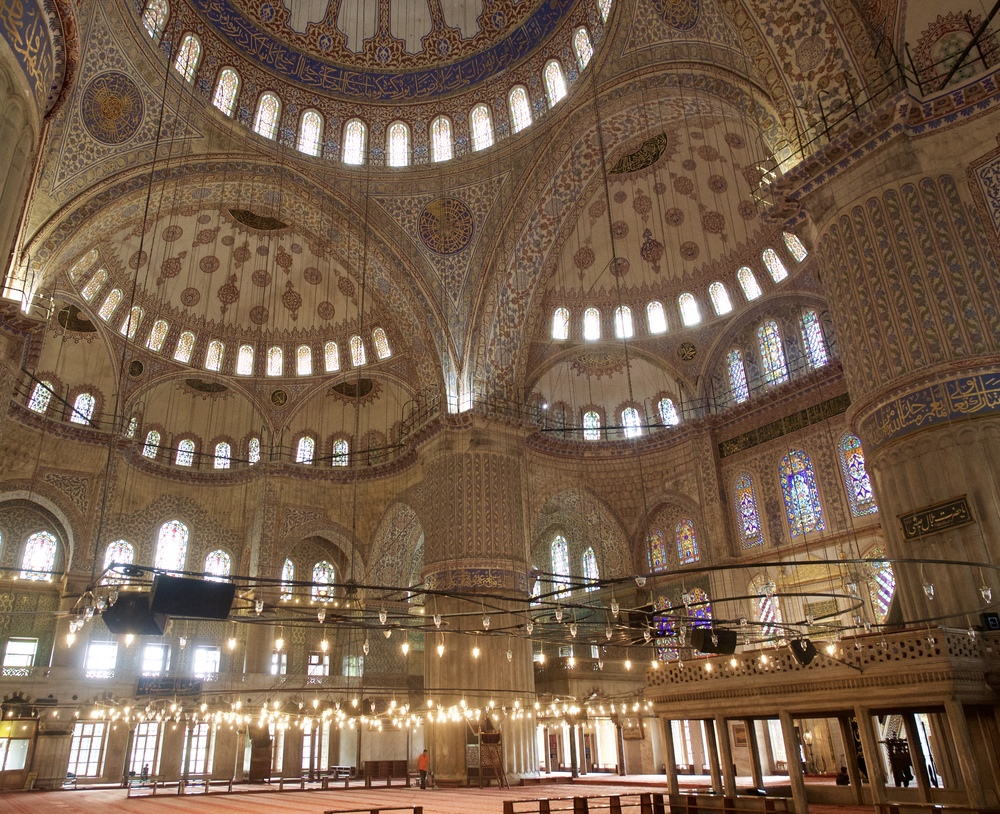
[[423, 764]]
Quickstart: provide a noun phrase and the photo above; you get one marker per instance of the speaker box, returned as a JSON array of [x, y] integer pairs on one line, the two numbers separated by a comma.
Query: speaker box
[[193, 598], [803, 650], [132, 614], [701, 640]]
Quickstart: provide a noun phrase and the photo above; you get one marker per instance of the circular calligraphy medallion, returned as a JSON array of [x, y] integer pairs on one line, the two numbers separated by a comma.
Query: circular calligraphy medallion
[[446, 225], [111, 108], [687, 351]]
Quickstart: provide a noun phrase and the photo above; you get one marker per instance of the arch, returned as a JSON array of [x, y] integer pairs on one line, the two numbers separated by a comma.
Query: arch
[[441, 139], [397, 144], [171, 546], [151, 447], [355, 142], [656, 550], [38, 558], [253, 450], [856, 480], [560, 323], [591, 573], [157, 335], [244, 360], [688, 305], [687, 542], [186, 448], [481, 127], [33, 495], [748, 283], [801, 494], [323, 577], [381, 342], [120, 552], [223, 455], [795, 246], [287, 577], [747, 514], [519, 106], [591, 426], [813, 339], [559, 558], [720, 298], [275, 361], [738, 387], [774, 265], [585, 520], [226, 90], [185, 346], [265, 121], [131, 322], [110, 304], [358, 355], [668, 412], [341, 452], [41, 395], [772, 353], [631, 422], [555, 82], [656, 317], [218, 566], [766, 608], [582, 47], [188, 57], [305, 450], [94, 284], [154, 17], [604, 6], [624, 328], [881, 583], [303, 360], [213, 355], [331, 357], [83, 409], [310, 132], [592, 324]]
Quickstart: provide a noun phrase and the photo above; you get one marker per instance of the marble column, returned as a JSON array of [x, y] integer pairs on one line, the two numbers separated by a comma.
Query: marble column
[[671, 757], [793, 748]]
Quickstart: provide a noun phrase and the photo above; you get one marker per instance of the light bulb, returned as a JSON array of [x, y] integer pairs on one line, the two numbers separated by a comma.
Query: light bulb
[[646, 635], [510, 655], [232, 643], [600, 664], [258, 606], [810, 619], [852, 588], [769, 588], [324, 645], [572, 661], [89, 612], [486, 622], [615, 607], [530, 627], [573, 629], [366, 647], [559, 614], [929, 589], [986, 592], [437, 620], [321, 615], [628, 664], [113, 597], [383, 614], [405, 647], [607, 633], [640, 580], [387, 632], [279, 643], [440, 650], [182, 641], [475, 652], [70, 638]]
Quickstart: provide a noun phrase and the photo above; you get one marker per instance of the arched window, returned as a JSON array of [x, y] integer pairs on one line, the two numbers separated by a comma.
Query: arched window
[[253, 451], [381, 342], [591, 324], [323, 579], [656, 548], [481, 127], [213, 356], [737, 376], [341, 452], [358, 356], [555, 82], [331, 357], [310, 133], [798, 487], [720, 298], [185, 453], [304, 360], [631, 422], [605, 9], [881, 585], [774, 265], [287, 577], [520, 108], [591, 426], [171, 546], [355, 136], [185, 344], [559, 551], [83, 409], [40, 397], [110, 304], [39, 558], [98, 279], [188, 56], [120, 552], [223, 455], [244, 361], [218, 566], [154, 17], [772, 353], [856, 480], [82, 265], [131, 322], [581, 45], [590, 571], [699, 607], [668, 413], [687, 542], [397, 144], [751, 289], [133, 425], [275, 361], [225, 91], [265, 122], [747, 515], [656, 317], [305, 450], [623, 322], [812, 338], [441, 139], [157, 335], [690, 315], [766, 610], [560, 323], [151, 448], [794, 246]]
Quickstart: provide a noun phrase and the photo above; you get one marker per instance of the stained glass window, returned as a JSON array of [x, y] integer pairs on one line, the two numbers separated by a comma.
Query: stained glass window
[[687, 542], [225, 91], [253, 451], [381, 341], [812, 336], [83, 409], [560, 566], [331, 357], [152, 445], [171, 546], [244, 361], [560, 323], [631, 422], [310, 133], [747, 515], [131, 323], [398, 144], [120, 552], [157, 335], [82, 265], [623, 322], [323, 579], [881, 585], [188, 56], [766, 609], [720, 298], [355, 135], [275, 361], [555, 82], [856, 480], [749, 284], [154, 17], [185, 344], [341, 452], [481, 127], [668, 412], [213, 356], [656, 317], [265, 122], [110, 304], [690, 315], [591, 426], [441, 140], [581, 45], [39, 558], [656, 548], [590, 571], [591, 324], [605, 8], [737, 376], [304, 360], [700, 607], [305, 450], [798, 487], [358, 356], [223, 455], [287, 577], [40, 397], [772, 353], [218, 565], [133, 425], [520, 108], [774, 265], [99, 278], [185, 453], [794, 246]]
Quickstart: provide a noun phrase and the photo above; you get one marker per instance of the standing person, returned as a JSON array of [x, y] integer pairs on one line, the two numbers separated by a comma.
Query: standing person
[[423, 764]]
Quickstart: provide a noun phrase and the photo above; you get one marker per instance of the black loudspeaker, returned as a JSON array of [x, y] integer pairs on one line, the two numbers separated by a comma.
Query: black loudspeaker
[[701, 640], [131, 614], [803, 650], [193, 598]]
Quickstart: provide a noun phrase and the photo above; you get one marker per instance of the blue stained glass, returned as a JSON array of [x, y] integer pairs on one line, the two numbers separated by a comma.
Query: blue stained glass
[[666, 648], [737, 376], [687, 542], [798, 487], [882, 584], [560, 565], [812, 334], [590, 571], [766, 608], [856, 480], [700, 608], [772, 354], [747, 515], [656, 546]]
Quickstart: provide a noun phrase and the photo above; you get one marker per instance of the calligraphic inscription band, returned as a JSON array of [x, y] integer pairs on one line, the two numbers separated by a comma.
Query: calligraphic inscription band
[[939, 517]]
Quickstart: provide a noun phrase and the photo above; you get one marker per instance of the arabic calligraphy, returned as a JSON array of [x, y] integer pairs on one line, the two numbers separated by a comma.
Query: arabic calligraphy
[[648, 154], [157, 685], [939, 517], [24, 25]]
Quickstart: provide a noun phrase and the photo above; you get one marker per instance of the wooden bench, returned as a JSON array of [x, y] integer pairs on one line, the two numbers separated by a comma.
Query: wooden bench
[[148, 788], [387, 770], [716, 803], [377, 810], [648, 803], [931, 808]]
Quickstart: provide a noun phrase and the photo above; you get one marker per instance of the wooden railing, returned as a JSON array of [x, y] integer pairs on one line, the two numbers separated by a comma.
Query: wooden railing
[[930, 808], [378, 810], [656, 803]]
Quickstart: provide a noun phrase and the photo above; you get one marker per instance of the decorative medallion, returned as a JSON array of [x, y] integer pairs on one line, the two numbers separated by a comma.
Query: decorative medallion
[[651, 250], [620, 197], [172, 233], [642, 204], [584, 257], [261, 278], [241, 253], [747, 210], [708, 153], [284, 259], [312, 275], [228, 293], [279, 398], [673, 216], [262, 223], [446, 225], [325, 310], [258, 314], [681, 15], [713, 222], [717, 184], [735, 140], [619, 230], [138, 260], [209, 264], [687, 351], [202, 386], [135, 368], [649, 153], [596, 209], [170, 267], [598, 363], [190, 297], [689, 164], [620, 266], [111, 108], [683, 185], [689, 250], [292, 300]]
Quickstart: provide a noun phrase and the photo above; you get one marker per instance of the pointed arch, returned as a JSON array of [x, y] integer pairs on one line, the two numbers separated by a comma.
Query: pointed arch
[[188, 57], [355, 142], [226, 90], [856, 480], [481, 127], [687, 542], [747, 513], [801, 494], [397, 144], [520, 108], [265, 121], [171, 546], [310, 132], [555, 82], [441, 139]]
